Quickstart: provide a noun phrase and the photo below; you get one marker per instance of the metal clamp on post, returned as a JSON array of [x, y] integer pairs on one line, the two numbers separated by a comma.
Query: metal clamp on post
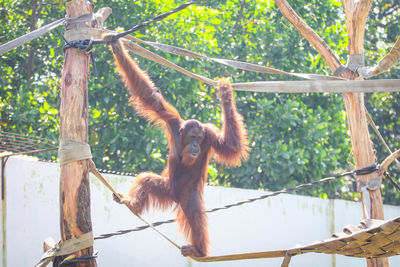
[[364, 187], [364, 72], [339, 71], [355, 61], [373, 184]]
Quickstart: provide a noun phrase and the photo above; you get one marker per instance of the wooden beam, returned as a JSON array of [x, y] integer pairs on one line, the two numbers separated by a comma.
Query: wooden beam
[[321, 86], [75, 218]]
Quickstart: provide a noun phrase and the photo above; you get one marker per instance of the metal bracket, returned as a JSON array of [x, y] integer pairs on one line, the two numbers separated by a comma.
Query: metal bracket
[[364, 187], [355, 61]]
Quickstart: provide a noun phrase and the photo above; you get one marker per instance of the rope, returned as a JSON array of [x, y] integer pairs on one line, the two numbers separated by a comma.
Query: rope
[[85, 46], [137, 49], [73, 150], [81, 34], [68, 148], [92, 169], [69, 24], [231, 63], [373, 125], [4, 48], [140, 228], [315, 86], [363, 171], [386, 175]]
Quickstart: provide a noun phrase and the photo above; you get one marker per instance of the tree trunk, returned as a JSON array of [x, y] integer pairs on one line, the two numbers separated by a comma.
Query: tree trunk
[[30, 69], [75, 218], [356, 16]]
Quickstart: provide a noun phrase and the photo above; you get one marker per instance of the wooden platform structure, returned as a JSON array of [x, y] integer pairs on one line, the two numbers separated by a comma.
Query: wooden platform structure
[[370, 239]]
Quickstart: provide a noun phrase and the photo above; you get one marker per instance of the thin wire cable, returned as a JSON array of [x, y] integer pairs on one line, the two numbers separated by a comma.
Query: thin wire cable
[[378, 133], [362, 171], [155, 19], [397, 186]]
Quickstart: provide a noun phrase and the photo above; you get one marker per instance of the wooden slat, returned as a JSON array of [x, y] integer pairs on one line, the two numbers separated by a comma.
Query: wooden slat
[[390, 227], [380, 240], [394, 236], [335, 245], [372, 248], [393, 247]]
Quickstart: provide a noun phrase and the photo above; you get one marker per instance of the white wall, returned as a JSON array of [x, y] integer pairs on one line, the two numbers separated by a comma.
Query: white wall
[[32, 214]]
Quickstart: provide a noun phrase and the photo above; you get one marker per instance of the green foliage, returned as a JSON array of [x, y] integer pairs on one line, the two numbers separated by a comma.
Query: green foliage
[[294, 138]]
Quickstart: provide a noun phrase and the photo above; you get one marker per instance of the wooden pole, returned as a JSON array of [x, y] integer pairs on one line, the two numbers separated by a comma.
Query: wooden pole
[[356, 15], [3, 211], [75, 218]]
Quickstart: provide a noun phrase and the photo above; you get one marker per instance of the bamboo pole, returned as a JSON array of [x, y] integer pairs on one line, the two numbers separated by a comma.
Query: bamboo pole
[[75, 218], [356, 15]]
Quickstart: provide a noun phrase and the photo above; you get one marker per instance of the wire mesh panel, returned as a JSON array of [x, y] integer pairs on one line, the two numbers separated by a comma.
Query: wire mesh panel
[[12, 144]]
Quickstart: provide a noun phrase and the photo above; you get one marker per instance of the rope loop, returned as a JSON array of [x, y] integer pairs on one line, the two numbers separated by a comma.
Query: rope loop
[[387, 175], [367, 170], [78, 22], [73, 150], [73, 259], [85, 46]]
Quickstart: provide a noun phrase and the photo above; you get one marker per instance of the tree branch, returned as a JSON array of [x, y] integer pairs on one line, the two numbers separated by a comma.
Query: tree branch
[[356, 17], [384, 64], [307, 32], [30, 68]]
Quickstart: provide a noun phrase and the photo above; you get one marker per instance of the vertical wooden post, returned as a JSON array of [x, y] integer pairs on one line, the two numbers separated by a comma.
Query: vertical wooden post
[[3, 212], [356, 16], [75, 218]]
